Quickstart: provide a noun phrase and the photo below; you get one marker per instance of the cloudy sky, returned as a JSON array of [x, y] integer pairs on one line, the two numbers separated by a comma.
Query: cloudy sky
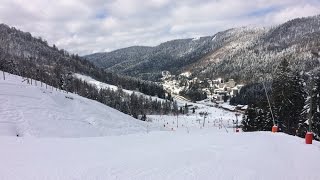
[[87, 26]]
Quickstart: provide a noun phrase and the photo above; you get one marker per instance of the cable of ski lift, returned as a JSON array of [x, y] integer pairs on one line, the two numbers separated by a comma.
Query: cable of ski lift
[[275, 126]]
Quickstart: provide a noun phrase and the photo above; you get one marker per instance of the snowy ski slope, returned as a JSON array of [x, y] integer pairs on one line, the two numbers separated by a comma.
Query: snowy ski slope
[[42, 116], [33, 110], [198, 155], [101, 85]]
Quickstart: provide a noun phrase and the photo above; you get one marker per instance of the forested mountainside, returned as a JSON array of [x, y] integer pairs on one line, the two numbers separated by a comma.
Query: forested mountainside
[[120, 58], [148, 62], [244, 54], [24, 55], [31, 57], [297, 40]]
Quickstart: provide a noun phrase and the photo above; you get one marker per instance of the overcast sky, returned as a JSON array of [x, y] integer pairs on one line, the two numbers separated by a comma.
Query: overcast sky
[[87, 26]]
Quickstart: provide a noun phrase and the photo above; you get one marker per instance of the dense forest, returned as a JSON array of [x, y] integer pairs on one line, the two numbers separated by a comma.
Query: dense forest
[[294, 98]]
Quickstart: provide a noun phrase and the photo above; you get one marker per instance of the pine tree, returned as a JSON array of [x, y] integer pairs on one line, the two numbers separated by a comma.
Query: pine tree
[[263, 121], [144, 117], [316, 100], [314, 93], [134, 103], [249, 119], [289, 97], [175, 107], [298, 100]]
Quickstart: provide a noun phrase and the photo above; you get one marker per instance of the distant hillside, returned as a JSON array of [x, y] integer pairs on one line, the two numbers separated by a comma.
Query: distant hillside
[[120, 58], [148, 62], [25, 55], [258, 55], [243, 54], [31, 57], [29, 110]]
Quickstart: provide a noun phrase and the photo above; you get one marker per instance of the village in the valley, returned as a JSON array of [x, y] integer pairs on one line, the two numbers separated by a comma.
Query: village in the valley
[[218, 91]]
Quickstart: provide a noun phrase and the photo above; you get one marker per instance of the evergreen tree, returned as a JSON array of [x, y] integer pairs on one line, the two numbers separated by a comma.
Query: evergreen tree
[[316, 109], [263, 120], [314, 93], [175, 107], [289, 97], [134, 105], [249, 119], [144, 117]]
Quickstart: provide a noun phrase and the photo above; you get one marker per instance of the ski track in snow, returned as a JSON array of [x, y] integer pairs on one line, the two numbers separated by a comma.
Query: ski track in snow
[[34, 110], [104, 144], [201, 154]]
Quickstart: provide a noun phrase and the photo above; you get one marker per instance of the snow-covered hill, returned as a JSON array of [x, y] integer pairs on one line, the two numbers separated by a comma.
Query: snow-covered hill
[[102, 85], [189, 151], [204, 155], [44, 112], [181, 101]]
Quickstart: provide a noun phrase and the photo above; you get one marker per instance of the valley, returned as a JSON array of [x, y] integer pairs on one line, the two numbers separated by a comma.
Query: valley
[[156, 90], [74, 137]]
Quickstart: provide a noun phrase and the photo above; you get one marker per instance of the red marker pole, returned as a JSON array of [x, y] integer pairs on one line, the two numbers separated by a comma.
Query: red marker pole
[[274, 128], [309, 137]]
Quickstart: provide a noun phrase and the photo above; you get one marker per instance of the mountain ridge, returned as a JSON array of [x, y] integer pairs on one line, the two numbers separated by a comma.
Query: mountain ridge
[[246, 50]]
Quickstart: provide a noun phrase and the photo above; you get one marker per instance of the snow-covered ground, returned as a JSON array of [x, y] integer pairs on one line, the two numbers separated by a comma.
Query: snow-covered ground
[[39, 111], [101, 85], [204, 155], [98, 84], [102, 143], [217, 119], [44, 112]]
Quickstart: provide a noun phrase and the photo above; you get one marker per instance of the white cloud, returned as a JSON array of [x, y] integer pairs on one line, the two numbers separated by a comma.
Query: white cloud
[[292, 12], [86, 26]]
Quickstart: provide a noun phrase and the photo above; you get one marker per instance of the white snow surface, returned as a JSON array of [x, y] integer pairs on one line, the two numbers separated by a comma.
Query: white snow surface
[[98, 84], [131, 151], [102, 85], [202, 154], [34, 110]]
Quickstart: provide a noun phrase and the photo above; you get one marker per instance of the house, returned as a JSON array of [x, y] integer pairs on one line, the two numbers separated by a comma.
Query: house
[[234, 91], [231, 83]]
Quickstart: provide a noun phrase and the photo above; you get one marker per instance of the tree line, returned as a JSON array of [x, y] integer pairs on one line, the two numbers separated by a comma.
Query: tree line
[[23, 54], [31, 57], [135, 104], [294, 98]]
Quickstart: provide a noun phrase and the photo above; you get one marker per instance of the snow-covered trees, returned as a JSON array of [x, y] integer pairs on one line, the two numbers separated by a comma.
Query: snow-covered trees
[[194, 92], [288, 97], [132, 104], [24, 55], [287, 101], [248, 120], [312, 107], [316, 107], [250, 94], [243, 54], [148, 62], [257, 117], [30, 57]]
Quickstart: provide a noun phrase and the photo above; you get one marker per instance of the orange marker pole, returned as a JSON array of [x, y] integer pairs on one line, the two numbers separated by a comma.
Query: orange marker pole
[[309, 137], [274, 128]]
